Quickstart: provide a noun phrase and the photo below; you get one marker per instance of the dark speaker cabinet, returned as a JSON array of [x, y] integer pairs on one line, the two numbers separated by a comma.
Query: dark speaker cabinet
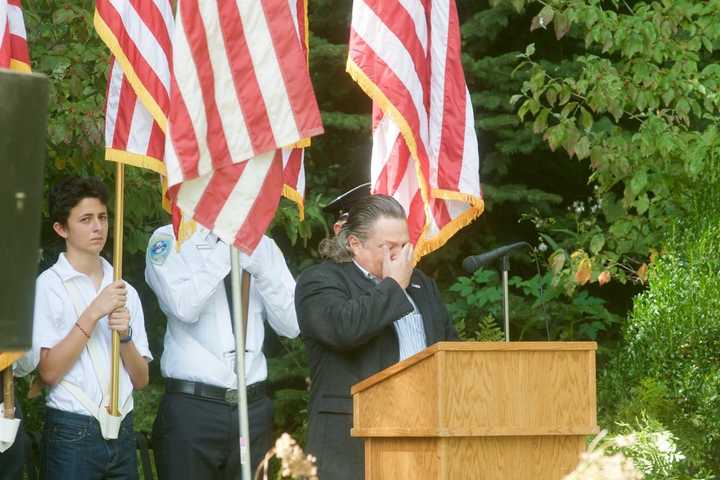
[[23, 127]]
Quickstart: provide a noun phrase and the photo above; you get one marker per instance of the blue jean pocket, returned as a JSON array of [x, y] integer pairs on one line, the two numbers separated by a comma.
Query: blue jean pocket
[[66, 433]]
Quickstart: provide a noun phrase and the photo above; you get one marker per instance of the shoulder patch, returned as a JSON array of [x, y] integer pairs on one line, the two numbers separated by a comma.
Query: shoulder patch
[[159, 249]]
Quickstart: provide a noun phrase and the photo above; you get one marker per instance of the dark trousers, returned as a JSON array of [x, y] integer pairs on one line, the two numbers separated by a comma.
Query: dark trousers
[[13, 459], [196, 438], [339, 456], [75, 449]]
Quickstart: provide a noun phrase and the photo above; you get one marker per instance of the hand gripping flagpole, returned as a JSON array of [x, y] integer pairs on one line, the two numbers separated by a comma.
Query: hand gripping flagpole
[[240, 321], [117, 275]]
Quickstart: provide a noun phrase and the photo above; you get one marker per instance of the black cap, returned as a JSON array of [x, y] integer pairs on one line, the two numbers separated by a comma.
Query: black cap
[[342, 204]]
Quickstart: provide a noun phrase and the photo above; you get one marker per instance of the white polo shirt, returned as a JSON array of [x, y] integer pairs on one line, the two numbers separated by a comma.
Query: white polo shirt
[[55, 316], [199, 340]]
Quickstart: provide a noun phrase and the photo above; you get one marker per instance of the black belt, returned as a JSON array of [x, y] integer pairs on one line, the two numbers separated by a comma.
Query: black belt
[[213, 392]]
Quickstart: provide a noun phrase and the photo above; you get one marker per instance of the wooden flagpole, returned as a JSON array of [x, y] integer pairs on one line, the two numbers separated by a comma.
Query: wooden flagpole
[[117, 275], [8, 392]]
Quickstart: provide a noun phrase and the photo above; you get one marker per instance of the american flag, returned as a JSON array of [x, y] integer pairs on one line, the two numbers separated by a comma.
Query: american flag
[[240, 94], [140, 37], [13, 38], [405, 54]]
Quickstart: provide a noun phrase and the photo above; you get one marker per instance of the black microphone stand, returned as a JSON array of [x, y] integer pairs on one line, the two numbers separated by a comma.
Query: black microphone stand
[[506, 294], [473, 262]]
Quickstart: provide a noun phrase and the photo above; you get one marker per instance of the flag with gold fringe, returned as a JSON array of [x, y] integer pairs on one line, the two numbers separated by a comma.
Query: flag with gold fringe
[[406, 57], [13, 37]]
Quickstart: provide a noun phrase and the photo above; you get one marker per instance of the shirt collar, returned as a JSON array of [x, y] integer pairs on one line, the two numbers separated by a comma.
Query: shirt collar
[[367, 274], [207, 235], [66, 271]]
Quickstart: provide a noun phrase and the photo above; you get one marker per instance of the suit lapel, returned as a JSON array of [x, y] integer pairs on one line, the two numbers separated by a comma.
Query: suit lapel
[[356, 276], [418, 291], [420, 294]]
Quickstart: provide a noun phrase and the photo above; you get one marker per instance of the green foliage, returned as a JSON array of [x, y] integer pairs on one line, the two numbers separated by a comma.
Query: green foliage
[[669, 366], [652, 448], [289, 378], [538, 309], [642, 106], [146, 403], [488, 331]]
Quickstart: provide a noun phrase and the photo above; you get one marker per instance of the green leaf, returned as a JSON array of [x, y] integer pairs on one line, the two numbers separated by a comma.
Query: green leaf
[[524, 108], [586, 119], [582, 148], [565, 94], [519, 5], [557, 261], [562, 25], [530, 50], [638, 182], [668, 97], [572, 135], [551, 95], [540, 122], [550, 241], [543, 19], [612, 209], [597, 243], [537, 80], [642, 204], [621, 228], [554, 136]]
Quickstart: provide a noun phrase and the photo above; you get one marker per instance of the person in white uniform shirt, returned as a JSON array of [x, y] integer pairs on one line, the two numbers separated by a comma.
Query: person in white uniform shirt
[[12, 453], [196, 433], [77, 306]]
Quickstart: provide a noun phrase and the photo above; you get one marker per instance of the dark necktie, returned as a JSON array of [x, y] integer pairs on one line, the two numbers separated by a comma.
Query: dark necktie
[[244, 299], [228, 291]]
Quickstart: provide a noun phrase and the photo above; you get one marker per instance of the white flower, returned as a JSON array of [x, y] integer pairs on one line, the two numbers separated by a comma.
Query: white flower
[[624, 441], [295, 463]]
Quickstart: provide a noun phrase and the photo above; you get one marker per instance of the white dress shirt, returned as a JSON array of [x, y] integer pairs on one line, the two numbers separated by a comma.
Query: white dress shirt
[[55, 316], [199, 341]]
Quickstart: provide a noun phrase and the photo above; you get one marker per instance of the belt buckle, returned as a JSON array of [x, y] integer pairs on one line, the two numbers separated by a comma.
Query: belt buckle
[[231, 395]]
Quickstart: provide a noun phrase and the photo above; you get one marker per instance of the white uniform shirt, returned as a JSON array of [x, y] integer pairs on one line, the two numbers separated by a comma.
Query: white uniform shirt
[[26, 363], [199, 340], [55, 316]]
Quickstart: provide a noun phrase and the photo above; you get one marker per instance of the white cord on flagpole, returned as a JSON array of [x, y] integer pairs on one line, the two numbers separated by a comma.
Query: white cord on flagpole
[[236, 277]]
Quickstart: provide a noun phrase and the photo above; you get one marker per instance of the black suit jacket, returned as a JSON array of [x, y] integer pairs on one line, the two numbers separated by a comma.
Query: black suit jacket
[[346, 321]]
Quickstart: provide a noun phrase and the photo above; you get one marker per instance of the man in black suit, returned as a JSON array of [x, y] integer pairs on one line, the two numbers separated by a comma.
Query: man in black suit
[[362, 311]]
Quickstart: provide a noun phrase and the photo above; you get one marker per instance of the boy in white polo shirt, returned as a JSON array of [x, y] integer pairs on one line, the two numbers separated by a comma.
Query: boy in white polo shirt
[[77, 306]]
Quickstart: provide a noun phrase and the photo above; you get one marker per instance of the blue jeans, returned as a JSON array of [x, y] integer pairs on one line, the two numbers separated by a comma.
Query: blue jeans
[[74, 449]]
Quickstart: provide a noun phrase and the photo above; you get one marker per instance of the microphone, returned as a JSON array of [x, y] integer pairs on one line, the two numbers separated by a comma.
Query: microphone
[[473, 262]]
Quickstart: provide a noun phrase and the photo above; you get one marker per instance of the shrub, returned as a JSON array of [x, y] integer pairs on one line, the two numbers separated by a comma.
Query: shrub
[[669, 367]]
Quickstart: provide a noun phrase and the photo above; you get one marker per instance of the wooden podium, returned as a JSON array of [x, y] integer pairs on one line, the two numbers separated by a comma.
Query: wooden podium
[[480, 411]]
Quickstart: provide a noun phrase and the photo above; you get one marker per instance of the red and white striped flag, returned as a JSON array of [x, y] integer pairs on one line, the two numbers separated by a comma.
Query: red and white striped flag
[[138, 35], [13, 38], [240, 93], [405, 54], [294, 160], [294, 177], [132, 136]]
